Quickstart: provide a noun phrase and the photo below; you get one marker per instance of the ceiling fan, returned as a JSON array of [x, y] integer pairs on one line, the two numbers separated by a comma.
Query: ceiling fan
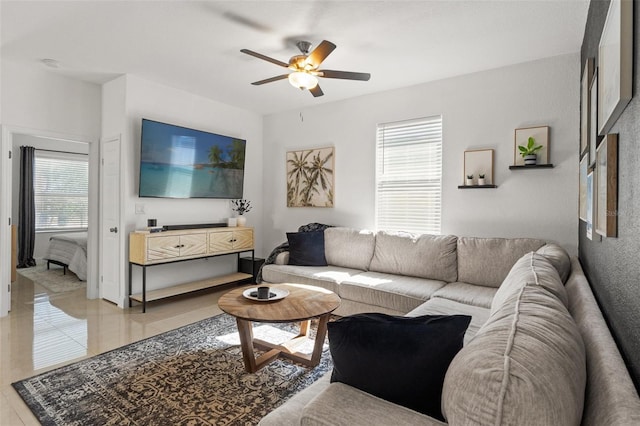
[[305, 67]]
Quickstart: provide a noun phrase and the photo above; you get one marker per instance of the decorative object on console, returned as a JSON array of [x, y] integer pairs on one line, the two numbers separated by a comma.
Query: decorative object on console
[[370, 353], [232, 222], [607, 187], [615, 64], [306, 248], [524, 146], [310, 177], [241, 206], [480, 162], [481, 179]]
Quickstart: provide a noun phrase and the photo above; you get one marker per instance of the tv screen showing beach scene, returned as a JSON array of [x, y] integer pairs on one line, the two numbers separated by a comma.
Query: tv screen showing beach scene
[[177, 162]]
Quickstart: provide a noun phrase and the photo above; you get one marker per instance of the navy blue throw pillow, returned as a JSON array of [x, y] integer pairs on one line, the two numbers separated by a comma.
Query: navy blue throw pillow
[[400, 359], [306, 248]]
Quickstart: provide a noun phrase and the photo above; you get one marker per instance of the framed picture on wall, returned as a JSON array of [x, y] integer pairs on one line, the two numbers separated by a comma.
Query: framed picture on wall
[[615, 64], [541, 137], [607, 187], [593, 122], [310, 177], [585, 105], [584, 165], [478, 162], [590, 212]]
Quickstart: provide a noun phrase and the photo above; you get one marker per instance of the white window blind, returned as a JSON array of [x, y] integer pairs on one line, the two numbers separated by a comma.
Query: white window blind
[[409, 175], [61, 188]]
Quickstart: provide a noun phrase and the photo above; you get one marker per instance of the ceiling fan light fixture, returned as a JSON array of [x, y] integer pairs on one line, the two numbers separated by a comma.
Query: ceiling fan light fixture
[[303, 80]]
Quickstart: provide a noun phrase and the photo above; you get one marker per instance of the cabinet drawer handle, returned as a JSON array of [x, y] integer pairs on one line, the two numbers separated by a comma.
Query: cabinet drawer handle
[[179, 246]]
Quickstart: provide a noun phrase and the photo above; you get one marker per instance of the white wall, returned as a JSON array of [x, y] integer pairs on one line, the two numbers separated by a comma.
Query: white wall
[[479, 110], [146, 99], [40, 102], [36, 98]]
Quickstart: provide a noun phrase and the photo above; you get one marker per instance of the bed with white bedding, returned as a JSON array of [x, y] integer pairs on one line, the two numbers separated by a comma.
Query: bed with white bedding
[[69, 250]]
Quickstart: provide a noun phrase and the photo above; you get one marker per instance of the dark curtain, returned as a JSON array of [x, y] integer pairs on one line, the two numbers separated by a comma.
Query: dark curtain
[[27, 209]]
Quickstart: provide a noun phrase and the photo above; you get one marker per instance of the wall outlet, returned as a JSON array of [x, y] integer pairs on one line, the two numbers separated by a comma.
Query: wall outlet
[[140, 208]]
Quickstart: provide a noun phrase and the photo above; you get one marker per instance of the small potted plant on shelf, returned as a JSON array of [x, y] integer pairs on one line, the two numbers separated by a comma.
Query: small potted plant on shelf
[[469, 180], [530, 152], [481, 180], [241, 207]]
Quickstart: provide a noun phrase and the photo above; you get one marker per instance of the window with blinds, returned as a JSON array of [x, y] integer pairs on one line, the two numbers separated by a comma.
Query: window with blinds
[[409, 175], [61, 188]]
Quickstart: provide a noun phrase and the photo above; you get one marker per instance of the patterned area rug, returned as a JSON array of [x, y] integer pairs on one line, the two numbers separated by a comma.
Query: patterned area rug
[[192, 375], [52, 279]]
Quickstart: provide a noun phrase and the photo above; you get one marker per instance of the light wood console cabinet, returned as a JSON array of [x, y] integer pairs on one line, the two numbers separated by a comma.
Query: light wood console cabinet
[[148, 249]]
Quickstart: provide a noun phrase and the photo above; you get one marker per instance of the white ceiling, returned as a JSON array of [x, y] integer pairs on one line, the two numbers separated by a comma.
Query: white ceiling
[[195, 46]]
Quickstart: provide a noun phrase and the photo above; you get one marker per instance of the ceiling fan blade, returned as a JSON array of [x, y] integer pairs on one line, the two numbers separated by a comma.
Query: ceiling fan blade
[[320, 53], [347, 75], [316, 91], [269, 80], [265, 58]]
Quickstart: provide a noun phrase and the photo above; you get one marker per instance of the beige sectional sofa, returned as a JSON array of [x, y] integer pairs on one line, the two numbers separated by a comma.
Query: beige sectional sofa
[[537, 351]]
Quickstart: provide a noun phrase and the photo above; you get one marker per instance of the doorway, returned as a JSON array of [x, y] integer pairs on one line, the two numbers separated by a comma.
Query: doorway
[[56, 145]]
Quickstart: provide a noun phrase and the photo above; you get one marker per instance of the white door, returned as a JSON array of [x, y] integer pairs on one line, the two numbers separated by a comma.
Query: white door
[[5, 223], [110, 227]]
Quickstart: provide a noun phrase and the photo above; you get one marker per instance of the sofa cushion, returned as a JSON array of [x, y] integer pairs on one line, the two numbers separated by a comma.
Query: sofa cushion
[[349, 248], [534, 269], [396, 292], [322, 276], [400, 359], [439, 306], [525, 366], [487, 261], [558, 257], [343, 405], [425, 256], [306, 248], [467, 293]]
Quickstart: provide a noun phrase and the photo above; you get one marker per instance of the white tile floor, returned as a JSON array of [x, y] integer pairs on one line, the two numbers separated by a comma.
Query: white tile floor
[[47, 330]]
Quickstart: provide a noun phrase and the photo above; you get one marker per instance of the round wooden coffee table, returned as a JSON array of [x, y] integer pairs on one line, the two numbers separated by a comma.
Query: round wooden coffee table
[[303, 303]]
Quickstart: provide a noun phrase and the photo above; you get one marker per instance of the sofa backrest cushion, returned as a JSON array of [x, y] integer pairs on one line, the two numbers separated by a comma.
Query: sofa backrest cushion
[[525, 366], [531, 266], [349, 248], [487, 261], [559, 258], [424, 256]]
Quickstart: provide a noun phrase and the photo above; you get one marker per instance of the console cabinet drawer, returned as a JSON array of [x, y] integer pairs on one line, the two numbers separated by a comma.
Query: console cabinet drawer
[[176, 246], [220, 242], [151, 248]]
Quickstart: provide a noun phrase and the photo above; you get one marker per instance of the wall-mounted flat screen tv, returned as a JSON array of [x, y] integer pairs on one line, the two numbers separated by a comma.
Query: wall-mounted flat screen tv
[[177, 162]]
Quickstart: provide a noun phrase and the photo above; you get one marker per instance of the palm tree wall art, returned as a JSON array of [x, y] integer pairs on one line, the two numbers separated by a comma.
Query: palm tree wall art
[[310, 177]]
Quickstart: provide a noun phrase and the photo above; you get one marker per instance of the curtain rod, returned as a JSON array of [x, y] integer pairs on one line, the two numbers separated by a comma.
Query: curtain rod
[[62, 152]]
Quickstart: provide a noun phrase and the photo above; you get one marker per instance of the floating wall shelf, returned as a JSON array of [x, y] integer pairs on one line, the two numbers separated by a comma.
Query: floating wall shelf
[[535, 166], [476, 186]]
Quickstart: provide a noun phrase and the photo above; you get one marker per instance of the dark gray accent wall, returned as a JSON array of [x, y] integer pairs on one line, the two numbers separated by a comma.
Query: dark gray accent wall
[[612, 265]]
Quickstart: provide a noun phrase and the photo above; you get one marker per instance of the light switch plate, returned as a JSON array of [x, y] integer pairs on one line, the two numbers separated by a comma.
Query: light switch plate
[[139, 208]]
